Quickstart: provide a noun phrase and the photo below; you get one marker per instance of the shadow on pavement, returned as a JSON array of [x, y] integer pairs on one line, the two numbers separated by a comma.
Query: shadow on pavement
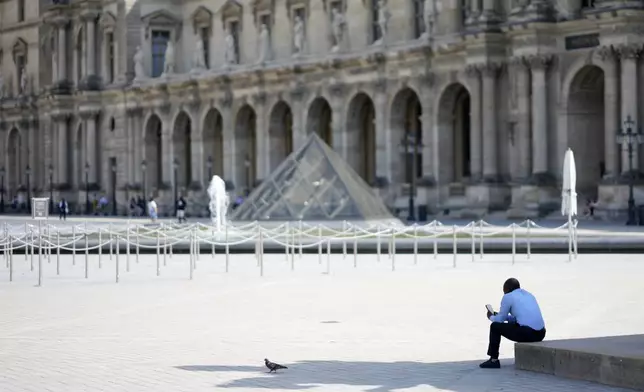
[[371, 376]]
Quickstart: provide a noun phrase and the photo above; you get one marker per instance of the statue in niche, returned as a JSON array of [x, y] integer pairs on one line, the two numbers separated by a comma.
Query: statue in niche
[[231, 51], [429, 16], [139, 69], [199, 58], [338, 25], [298, 35], [383, 20], [24, 82], [264, 44], [168, 68]]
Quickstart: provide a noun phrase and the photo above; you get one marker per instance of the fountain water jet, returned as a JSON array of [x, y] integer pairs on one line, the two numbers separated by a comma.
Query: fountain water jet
[[218, 202]]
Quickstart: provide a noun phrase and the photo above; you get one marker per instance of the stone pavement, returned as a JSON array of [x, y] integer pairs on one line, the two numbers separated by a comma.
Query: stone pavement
[[420, 328]]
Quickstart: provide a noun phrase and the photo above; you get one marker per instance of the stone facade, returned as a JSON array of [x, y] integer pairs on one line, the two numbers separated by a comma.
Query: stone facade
[[475, 100]]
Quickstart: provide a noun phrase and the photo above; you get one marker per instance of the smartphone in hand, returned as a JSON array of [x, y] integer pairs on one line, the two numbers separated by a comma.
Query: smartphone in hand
[[490, 308]]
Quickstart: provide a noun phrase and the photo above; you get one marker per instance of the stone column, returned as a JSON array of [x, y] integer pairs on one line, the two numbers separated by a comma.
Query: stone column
[[137, 132], [262, 145], [522, 139], [31, 152], [629, 55], [489, 74], [90, 44], [61, 26], [299, 133], [611, 110], [340, 142], [539, 65], [90, 146], [196, 148], [167, 161], [384, 149], [120, 38], [62, 168], [430, 152], [132, 146], [476, 121], [228, 130]]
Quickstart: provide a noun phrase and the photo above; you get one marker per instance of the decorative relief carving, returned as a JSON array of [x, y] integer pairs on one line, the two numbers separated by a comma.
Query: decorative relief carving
[[629, 51], [226, 100], [490, 69], [607, 53], [380, 85], [336, 88], [540, 62], [518, 62], [201, 18], [472, 71], [259, 98]]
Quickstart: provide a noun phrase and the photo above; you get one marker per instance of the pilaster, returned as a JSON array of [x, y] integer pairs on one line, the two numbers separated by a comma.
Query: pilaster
[[489, 73], [611, 110], [262, 145], [383, 149], [629, 55], [539, 65], [521, 154], [476, 153], [230, 170], [297, 99], [340, 142]]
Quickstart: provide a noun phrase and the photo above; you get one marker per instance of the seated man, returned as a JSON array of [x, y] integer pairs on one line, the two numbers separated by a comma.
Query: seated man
[[519, 320]]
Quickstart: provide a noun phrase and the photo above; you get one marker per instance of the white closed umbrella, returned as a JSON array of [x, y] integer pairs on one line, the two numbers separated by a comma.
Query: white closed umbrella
[[569, 196]]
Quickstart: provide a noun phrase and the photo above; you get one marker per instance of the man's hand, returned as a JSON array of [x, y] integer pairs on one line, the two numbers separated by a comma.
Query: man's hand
[[491, 314]]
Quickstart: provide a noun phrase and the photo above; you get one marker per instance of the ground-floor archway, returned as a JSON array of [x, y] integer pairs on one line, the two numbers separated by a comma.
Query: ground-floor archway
[[280, 134], [319, 120], [152, 154], [361, 137], [585, 112], [213, 145], [407, 130], [455, 150], [246, 148]]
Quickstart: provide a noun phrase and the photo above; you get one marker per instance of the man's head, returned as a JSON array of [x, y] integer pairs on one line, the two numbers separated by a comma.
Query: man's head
[[510, 285]]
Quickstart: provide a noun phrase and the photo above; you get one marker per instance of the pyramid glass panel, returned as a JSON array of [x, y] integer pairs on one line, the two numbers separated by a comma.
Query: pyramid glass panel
[[313, 183]]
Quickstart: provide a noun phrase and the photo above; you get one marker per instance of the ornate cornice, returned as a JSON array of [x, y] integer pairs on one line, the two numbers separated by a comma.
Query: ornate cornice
[[607, 53], [518, 62], [490, 69], [472, 71]]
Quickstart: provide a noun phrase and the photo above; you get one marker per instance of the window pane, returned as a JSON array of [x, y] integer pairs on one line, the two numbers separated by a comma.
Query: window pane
[[375, 29], [159, 44], [205, 38]]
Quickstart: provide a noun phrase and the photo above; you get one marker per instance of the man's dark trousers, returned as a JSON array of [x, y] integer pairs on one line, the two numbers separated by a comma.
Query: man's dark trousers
[[513, 332]]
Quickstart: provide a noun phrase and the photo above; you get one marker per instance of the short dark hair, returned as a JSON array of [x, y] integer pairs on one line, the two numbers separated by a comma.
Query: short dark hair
[[510, 285]]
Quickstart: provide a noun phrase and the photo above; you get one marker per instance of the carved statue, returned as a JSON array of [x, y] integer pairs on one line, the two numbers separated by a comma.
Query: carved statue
[[264, 44], [139, 69], [383, 20], [429, 17], [168, 68], [298, 35], [199, 59], [231, 51], [338, 24], [24, 81]]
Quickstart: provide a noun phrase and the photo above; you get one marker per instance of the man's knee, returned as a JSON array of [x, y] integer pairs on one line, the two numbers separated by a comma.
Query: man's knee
[[496, 327]]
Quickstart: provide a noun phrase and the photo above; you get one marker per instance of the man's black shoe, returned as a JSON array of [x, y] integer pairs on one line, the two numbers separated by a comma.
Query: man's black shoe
[[490, 364]]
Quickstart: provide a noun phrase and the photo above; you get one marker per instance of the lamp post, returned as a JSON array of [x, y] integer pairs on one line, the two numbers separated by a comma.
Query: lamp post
[[209, 165], [51, 188], [28, 171], [630, 138], [408, 142], [247, 166], [2, 171], [114, 209], [87, 206], [176, 196]]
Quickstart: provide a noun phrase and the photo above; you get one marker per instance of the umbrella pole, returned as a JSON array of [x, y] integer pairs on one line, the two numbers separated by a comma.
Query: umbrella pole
[[569, 235]]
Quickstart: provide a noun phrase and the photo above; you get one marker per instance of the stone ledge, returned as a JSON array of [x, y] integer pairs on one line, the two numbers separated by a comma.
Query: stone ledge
[[615, 360]]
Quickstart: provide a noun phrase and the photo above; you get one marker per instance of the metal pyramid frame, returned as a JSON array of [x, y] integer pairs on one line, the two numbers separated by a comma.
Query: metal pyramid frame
[[314, 184]]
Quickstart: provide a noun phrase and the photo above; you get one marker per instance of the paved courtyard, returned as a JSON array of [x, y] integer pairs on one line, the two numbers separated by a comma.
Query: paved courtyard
[[420, 328]]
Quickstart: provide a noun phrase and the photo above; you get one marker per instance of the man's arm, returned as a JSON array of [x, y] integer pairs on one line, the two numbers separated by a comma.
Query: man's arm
[[504, 312]]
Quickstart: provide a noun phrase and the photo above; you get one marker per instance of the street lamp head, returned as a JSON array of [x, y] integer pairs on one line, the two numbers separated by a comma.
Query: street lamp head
[[629, 123]]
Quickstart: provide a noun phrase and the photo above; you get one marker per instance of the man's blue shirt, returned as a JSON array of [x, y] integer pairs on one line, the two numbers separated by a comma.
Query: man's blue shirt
[[521, 307]]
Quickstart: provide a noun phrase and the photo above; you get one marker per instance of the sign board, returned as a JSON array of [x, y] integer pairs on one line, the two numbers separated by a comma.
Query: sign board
[[582, 41], [39, 208]]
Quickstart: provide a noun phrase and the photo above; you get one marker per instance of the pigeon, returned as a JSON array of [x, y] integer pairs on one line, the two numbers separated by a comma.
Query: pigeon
[[272, 366]]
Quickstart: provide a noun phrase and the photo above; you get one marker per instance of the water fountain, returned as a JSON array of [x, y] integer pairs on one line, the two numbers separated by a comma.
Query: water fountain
[[218, 202]]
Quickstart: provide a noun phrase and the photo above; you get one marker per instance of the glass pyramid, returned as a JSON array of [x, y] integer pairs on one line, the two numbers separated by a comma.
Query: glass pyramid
[[314, 184]]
